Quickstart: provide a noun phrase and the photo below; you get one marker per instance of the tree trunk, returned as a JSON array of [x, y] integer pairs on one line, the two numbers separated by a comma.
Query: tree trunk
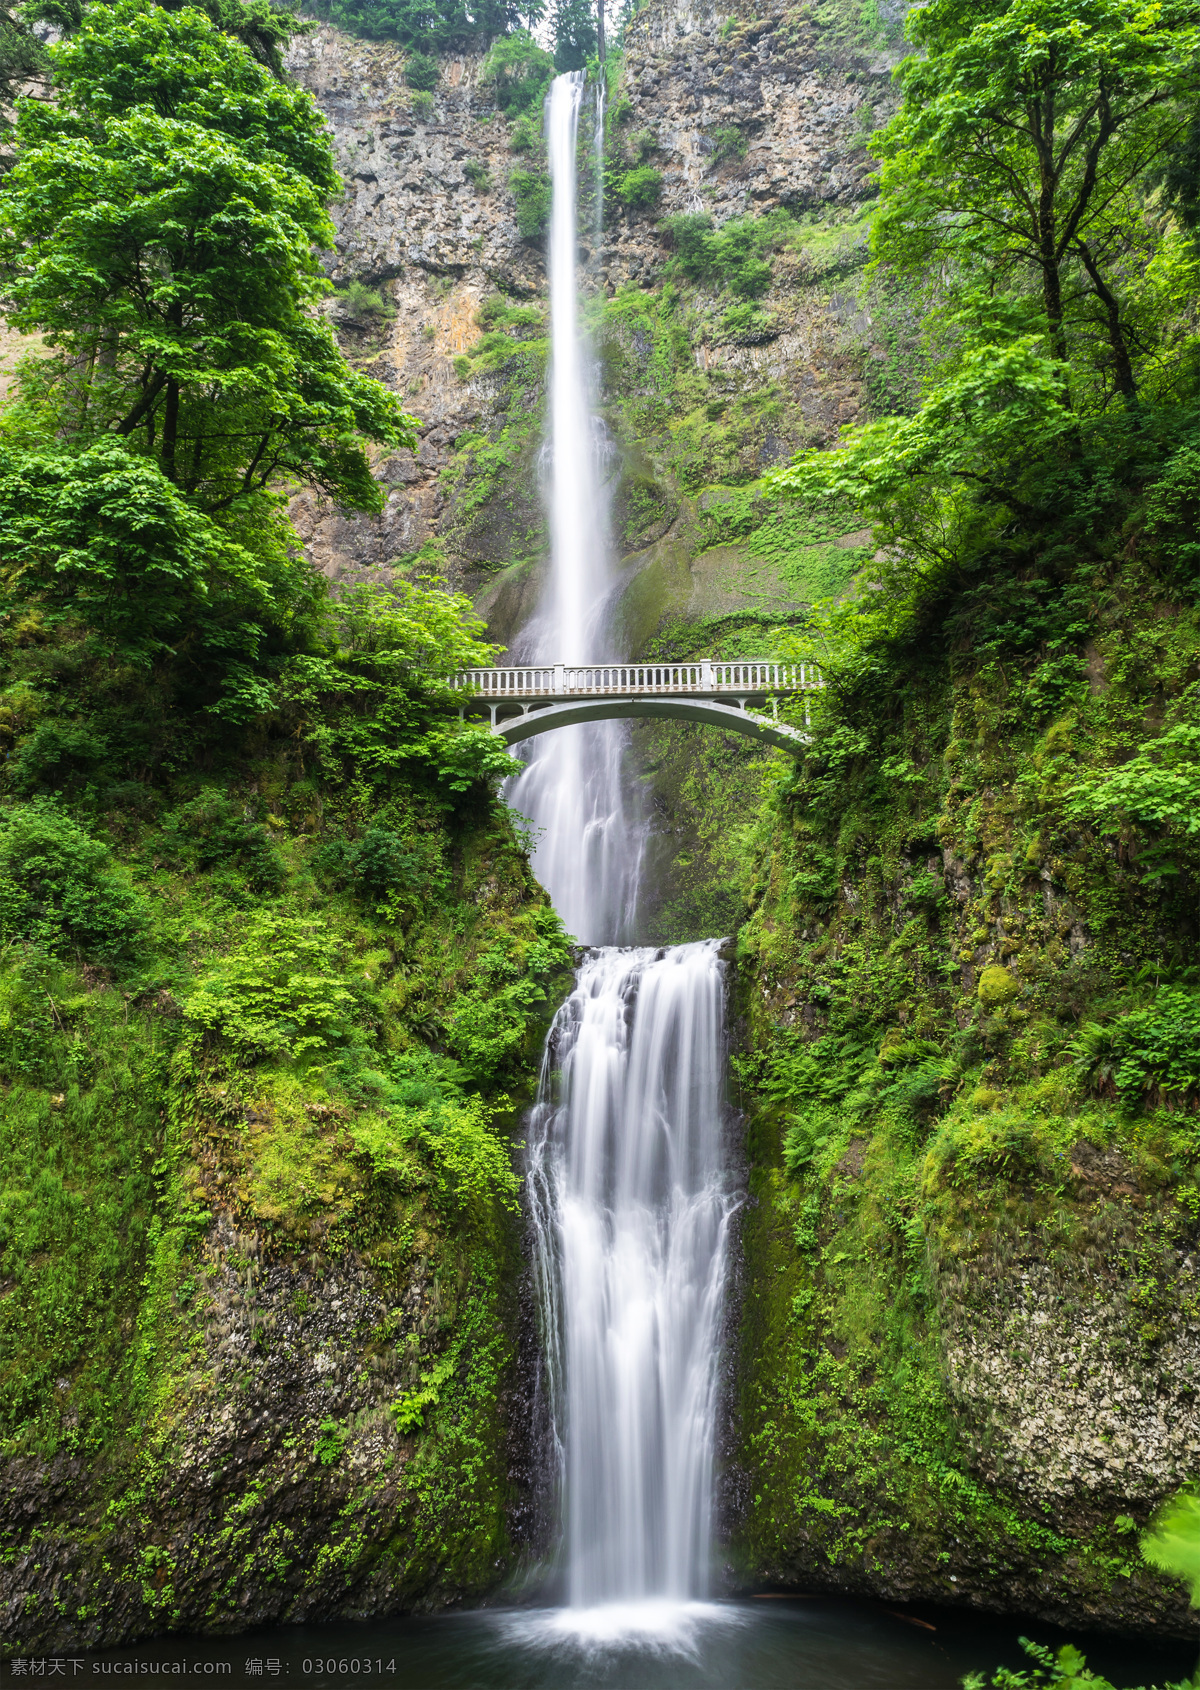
[[1122, 363], [170, 429], [1042, 129]]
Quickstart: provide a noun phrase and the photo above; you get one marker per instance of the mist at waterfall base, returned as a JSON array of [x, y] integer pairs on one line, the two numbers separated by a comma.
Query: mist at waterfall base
[[793, 1643]]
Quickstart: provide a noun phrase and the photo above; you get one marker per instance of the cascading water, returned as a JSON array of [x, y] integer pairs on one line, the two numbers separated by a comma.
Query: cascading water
[[629, 1203], [631, 1215], [588, 842]]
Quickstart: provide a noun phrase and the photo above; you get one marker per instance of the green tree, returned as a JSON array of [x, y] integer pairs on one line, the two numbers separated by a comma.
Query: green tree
[[573, 25], [376, 700], [431, 25], [422, 72], [518, 71], [264, 27], [159, 228], [22, 58], [102, 539], [1020, 154]]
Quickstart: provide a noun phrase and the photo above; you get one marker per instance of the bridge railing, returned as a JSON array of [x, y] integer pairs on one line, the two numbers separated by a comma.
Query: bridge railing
[[563, 680]]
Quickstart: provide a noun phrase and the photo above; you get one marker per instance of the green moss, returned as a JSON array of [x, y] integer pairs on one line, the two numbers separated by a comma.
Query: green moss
[[925, 929], [264, 1061], [996, 986]]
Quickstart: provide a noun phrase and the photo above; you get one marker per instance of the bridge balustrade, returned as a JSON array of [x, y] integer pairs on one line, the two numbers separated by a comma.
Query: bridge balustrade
[[563, 680]]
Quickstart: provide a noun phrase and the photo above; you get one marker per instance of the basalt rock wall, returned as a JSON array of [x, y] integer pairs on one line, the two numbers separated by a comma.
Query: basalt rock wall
[[428, 224]]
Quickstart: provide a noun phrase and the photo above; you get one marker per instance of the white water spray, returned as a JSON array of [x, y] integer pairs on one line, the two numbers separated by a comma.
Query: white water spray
[[589, 847], [631, 1217]]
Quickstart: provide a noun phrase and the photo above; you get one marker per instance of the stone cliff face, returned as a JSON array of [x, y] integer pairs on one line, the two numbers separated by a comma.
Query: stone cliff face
[[428, 221], [292, 1378], [961, 1380]]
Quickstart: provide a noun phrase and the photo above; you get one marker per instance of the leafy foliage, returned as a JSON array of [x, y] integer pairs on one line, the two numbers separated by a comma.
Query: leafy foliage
[[422, 71], [1024, 138], [472, 1163], [639, 188], [1063, 1668], [1157, 791], [101, 539], [212, 830], [158, 228], [732, 256], [1150, 1054], [279, 993], [573, 25], [263, 27], [532, 193], [1173, 1541], [60, 888], [22, 57], [518, 71], [377, 700], [488, 1029], [433, 26]]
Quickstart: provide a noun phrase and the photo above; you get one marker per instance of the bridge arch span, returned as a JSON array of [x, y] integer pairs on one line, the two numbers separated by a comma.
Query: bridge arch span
[[513, 729]]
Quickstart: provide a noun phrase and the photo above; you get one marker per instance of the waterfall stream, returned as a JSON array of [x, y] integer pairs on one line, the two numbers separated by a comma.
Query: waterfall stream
[[627, 1192], [631, 1215], [589, 835]]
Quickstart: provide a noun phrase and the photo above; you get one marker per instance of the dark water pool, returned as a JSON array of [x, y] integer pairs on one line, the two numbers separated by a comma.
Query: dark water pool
[[789, 1643]]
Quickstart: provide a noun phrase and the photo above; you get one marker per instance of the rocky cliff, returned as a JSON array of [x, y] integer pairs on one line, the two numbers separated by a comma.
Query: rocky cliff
[[428, 226]]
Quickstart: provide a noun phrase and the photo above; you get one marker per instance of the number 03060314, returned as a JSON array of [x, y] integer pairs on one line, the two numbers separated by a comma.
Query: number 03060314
[[349, 1664]]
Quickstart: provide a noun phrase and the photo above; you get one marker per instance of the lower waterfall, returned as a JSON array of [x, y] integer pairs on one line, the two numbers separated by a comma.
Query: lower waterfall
[[631, 1214], [626, 1188]]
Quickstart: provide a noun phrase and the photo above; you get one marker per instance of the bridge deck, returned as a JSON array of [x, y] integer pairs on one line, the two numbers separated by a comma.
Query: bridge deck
[[706, 679]]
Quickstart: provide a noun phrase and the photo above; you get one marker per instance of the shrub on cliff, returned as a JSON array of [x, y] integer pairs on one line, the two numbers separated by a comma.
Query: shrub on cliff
[[422, 71], [532, 193], [281, 993], [433, 26], [212, 830], [1149, 1055], [732, 257], [639, 188], [518, 72], [61, 889]]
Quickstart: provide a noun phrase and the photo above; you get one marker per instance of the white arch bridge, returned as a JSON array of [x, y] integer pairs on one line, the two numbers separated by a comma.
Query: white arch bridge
[[736, 696]]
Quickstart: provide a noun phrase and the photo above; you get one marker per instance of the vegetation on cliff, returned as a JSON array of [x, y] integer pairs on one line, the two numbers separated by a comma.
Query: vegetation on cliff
[[972, 961], [271, 959]]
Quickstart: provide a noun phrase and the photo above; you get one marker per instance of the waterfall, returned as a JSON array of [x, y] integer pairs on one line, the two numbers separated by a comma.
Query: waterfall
[[627, 1195], [588, 836], [631, 1215]]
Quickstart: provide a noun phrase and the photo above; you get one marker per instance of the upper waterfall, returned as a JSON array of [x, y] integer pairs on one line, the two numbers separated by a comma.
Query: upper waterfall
[[588, 845]]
